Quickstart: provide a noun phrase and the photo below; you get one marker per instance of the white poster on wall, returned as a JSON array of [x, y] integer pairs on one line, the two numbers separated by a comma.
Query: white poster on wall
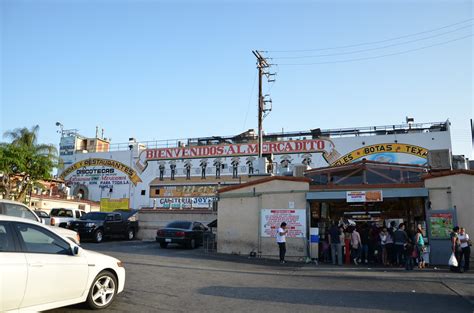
[[271, 219]]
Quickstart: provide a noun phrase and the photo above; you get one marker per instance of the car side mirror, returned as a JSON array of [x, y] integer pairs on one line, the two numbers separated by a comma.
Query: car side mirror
[[75, 250]]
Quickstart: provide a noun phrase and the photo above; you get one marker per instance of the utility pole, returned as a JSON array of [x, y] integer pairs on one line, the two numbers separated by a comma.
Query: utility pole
[[262, 64]]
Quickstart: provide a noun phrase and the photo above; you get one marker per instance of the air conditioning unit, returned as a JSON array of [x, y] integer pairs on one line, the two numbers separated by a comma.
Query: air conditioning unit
[[298, 170], [439, 159], [460, 162]]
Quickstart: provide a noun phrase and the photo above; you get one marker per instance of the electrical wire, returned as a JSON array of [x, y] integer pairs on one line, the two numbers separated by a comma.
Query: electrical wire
[[376, 48], [378, 56], [373, 42]]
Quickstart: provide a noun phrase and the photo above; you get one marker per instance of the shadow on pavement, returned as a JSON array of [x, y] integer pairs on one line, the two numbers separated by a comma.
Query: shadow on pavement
[[392, 301]]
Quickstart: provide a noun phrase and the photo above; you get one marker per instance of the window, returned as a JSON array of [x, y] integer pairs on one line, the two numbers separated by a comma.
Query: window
[[117, 217], [143, 192], [179, 224], [17, 210], [40, 240], [61, 213], [78, 214], [6, 242]]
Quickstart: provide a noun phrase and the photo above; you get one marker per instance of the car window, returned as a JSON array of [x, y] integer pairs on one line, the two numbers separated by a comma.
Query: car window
[[179, 224], [17, 210], [117, 217], [40, 240], [6, 241], [61, 213], [109, 218], [82, 213], [96, 216], [78, 214]]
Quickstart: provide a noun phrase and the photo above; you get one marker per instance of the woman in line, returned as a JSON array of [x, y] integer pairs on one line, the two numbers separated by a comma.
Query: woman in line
[[420, 246], [465, 248]]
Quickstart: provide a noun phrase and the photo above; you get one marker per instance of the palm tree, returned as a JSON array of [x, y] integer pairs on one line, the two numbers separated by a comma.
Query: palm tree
[[37, 160], [28, 139]]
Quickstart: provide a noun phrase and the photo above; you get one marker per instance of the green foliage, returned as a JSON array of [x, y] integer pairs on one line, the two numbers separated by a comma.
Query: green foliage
[[23, 162]]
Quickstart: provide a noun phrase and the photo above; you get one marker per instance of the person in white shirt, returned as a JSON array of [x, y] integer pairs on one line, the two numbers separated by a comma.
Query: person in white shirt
[[281, 241], [465, 248]]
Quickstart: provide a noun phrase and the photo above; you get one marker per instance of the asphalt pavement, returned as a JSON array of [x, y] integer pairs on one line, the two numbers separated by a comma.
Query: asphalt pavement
[[181, 280]]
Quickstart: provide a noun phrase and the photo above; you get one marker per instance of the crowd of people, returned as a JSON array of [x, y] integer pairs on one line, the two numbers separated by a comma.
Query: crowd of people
[[388, 246]]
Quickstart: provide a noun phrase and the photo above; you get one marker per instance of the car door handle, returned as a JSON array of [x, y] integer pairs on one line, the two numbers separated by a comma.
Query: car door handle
[[37, 264]]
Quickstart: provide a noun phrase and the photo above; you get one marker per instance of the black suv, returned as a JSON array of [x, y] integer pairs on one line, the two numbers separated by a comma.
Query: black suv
[[98, 225]]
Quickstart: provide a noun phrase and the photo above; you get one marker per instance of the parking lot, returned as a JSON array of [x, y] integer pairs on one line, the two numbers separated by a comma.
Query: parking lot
[[180, 280]]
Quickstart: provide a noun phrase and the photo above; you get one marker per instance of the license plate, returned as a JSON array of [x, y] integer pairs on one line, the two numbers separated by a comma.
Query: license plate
[[167, 240]]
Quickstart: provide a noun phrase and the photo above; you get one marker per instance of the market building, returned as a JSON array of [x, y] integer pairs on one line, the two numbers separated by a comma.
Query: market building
[[186, 174], [372, 175]]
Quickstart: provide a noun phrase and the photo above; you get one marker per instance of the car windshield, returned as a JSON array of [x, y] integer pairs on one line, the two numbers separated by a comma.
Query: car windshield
[[96, 216], [183, 225]]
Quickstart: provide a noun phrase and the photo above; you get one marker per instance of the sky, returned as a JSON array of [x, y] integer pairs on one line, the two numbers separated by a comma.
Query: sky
[[157, 70]]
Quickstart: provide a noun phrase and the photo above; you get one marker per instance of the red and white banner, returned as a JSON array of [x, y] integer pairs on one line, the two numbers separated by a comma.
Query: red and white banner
[[272, 219], [282, 147]]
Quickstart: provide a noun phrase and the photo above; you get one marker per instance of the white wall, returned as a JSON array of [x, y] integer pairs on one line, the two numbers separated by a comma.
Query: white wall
[[239, 215]]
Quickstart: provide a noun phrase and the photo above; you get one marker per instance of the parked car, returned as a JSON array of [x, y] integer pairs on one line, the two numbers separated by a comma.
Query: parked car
[[98, 225], [186, 233], [62, 216], [45, 219], [17, 209], [44, 270]]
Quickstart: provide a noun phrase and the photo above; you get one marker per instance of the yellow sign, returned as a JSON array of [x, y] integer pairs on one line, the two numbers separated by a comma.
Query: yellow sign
[[382, 148], [134, 178], [110, 205]]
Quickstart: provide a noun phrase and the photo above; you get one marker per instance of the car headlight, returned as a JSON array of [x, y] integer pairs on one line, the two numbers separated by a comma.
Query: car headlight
[[90, 225]]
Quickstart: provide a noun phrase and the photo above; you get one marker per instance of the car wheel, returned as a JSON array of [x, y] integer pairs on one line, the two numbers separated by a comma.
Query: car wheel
[[130, 234], [191, 244], [163, 245], [103, 290], [98, 236]]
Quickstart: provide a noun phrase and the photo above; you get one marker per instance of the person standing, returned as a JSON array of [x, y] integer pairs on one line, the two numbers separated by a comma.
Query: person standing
[[355, 245], [400, 239], [456, 249], [335, 243], [465, 248], [281, 241], [420, 246], [384, 236]]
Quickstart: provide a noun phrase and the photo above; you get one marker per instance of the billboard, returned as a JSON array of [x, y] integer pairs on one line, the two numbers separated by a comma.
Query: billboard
[[271, 219], [110, 205]]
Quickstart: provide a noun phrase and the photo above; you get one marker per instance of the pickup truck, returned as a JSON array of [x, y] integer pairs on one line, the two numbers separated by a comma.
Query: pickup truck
[[62, 216], [98, 225], [13, 208]]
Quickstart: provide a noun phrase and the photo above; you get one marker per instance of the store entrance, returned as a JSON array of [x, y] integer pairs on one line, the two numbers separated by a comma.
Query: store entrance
[[375, 215]]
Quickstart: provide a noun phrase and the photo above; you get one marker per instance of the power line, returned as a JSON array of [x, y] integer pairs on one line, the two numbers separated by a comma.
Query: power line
[[378, 56], [374, 42], [372, 49]]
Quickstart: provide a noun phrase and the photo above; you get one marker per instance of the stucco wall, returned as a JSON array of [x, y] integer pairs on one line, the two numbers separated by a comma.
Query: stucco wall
[[460, 196], [151, 220], [239, 215], [47, 205]]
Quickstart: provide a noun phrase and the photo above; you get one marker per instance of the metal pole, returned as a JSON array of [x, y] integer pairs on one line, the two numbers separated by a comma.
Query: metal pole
[[260, 110]]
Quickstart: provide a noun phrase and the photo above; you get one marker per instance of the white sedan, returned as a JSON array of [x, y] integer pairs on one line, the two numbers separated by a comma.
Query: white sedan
[[40, 270]]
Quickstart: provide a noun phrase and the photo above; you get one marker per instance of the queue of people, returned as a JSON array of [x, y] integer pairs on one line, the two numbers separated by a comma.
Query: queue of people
[[388, 246]]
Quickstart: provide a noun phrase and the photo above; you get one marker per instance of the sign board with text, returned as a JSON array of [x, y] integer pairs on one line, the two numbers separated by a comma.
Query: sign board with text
[[364, 196], [271, 219]]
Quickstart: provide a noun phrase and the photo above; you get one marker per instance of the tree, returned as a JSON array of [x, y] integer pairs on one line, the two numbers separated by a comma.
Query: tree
[[24, 162]]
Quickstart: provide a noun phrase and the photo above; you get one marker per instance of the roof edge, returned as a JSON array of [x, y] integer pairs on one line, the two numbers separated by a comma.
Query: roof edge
[[264, 180]]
